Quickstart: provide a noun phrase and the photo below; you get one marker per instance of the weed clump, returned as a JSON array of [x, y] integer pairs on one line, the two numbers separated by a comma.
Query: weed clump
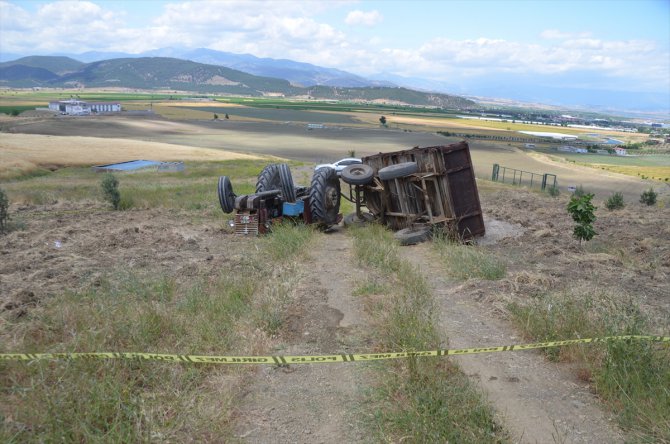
[[630, 376], [464, 261], [553, 191], [615, 202], [110, 190], [648, 197]]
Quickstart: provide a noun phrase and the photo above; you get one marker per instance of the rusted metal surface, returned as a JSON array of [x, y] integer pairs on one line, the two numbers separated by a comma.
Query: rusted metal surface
[[442, 191]]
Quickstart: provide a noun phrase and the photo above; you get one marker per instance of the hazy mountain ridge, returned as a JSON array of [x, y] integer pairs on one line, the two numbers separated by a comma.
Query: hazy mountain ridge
[[184, 75]]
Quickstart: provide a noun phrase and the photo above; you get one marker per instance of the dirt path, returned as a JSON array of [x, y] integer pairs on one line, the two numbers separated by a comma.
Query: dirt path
[[537, 401], [313, 403]]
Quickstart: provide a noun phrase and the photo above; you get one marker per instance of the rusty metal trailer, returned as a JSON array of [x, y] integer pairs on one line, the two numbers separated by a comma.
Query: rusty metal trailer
[[440, 190]]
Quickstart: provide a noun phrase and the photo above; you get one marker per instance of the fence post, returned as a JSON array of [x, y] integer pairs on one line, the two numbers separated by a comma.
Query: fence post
[[494, 174]]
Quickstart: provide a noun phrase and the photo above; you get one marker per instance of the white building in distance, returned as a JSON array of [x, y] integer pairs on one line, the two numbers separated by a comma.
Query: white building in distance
[[80, 108]]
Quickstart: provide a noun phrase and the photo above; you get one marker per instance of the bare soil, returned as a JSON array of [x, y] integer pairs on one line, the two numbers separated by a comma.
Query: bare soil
[[66, 247], [313, 403]]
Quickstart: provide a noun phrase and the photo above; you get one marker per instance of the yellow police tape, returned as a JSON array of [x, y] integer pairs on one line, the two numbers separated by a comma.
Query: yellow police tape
[[317, 359]]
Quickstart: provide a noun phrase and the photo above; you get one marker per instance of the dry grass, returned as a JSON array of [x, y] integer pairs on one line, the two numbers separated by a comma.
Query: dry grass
[[23, 153], [466, 125], [661, 173]]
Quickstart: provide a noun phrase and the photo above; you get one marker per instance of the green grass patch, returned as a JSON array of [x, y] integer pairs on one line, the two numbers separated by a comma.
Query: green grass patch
[[16, 109], [631, 377], [370, 287], [376, 247], [233, 312], [464, 261], [193, 189], [47, 96], [287, 239], [418, 399], [124, 401]]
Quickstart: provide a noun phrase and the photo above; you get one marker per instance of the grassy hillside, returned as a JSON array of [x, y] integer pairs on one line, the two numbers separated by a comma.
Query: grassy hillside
[[57, 65], [25, 76], [163, 72]]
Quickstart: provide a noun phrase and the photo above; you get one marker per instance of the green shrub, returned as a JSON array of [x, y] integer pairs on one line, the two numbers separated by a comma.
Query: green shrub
[[615, 201], [4, 212], [648, 197], [581, 209], [110, 190]]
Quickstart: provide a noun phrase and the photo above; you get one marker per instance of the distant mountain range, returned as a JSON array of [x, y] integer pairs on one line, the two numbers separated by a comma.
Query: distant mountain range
[[167, 73], [297, 73], [552, 89]]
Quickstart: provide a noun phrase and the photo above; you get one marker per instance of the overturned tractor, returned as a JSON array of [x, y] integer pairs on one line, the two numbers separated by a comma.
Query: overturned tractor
[[414, 192], [277, 197]]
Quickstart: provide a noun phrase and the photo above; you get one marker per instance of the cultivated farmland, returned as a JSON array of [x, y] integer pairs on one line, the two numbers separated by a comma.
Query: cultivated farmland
[[167, 275]]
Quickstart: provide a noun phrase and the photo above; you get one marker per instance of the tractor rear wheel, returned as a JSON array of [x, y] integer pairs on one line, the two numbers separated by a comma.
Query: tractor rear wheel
[[277, 176], [324, 196]]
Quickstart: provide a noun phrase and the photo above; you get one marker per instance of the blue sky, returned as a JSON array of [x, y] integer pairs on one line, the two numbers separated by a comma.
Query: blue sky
[[618, 45]]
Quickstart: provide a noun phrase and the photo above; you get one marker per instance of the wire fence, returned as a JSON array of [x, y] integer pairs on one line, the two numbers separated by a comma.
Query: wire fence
[[523, 178]]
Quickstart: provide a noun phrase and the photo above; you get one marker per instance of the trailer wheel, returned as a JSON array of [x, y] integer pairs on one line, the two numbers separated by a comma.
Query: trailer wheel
[[226, 195], [277, 176], [359, 174], [352, 220], [324, 196], [398, 170], [411, 236]]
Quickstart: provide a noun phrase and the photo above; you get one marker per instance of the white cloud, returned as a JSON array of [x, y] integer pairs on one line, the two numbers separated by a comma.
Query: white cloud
[[639, 60], [61, 26], [13, 18], [369, 18], [291, 30], [555, 34]]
